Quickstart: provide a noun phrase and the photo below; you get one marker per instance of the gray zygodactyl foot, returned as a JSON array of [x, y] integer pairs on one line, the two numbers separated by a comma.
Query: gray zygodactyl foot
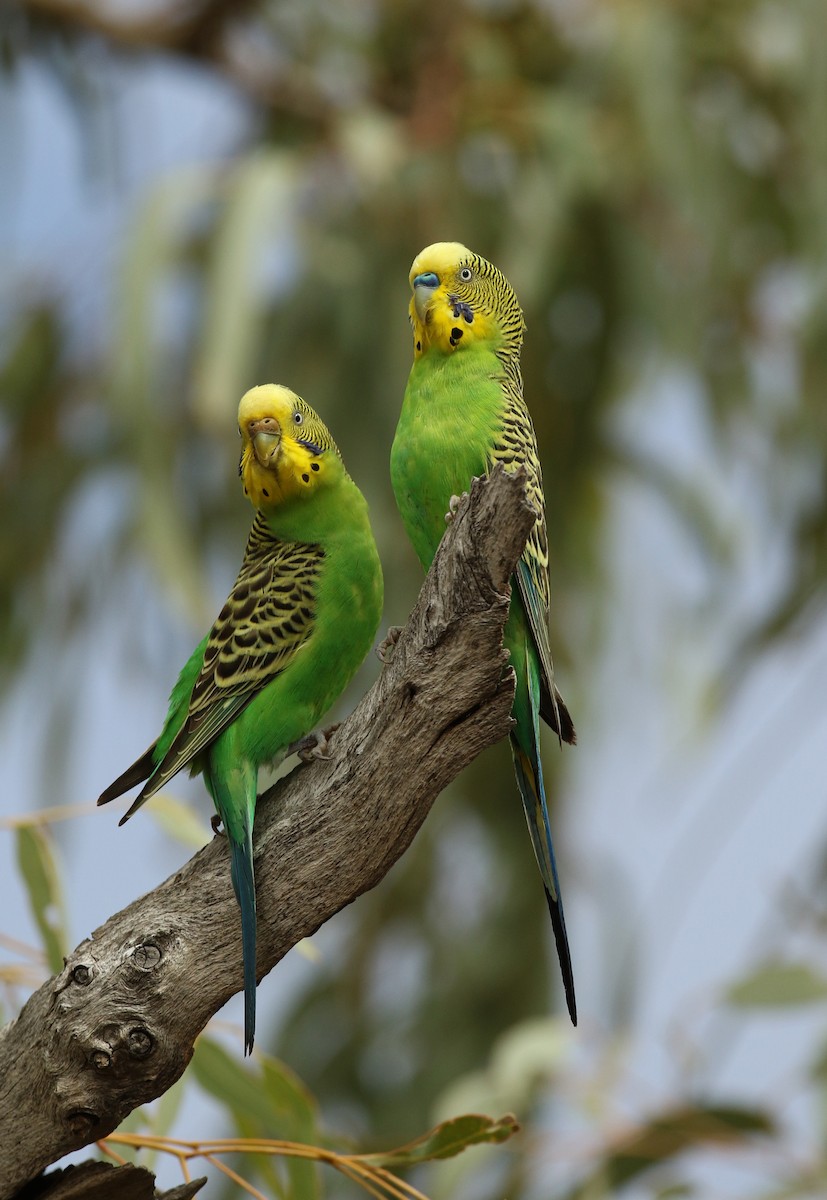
[[388, 643], [314, 745]]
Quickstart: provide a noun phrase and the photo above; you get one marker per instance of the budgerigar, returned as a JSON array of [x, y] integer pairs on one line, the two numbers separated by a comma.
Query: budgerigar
[[464, 412], [298, 622]]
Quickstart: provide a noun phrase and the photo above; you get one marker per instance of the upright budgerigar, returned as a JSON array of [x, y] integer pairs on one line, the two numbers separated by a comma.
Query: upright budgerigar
[[298, 622], [464, 412]]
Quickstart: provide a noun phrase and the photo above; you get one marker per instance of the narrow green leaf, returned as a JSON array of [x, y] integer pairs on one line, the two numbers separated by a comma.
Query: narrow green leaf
[[260, 194], [667, 1136], [295, 1115], [448, 1139], [161, 1116], [777, 985], [273, 1103], [291, 1099], [236, 1086], [38, 868], [154, 252], [144, 363]]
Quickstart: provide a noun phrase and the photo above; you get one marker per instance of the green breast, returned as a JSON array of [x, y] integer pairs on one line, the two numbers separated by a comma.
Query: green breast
[[450, 421]]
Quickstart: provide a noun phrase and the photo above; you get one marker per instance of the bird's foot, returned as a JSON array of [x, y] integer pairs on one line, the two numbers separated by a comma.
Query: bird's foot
[[453, 505], [215, 825], [388, 644], [314, 745]]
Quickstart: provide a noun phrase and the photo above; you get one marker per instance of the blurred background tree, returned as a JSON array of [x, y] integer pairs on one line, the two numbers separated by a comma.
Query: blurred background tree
[[197, 197]]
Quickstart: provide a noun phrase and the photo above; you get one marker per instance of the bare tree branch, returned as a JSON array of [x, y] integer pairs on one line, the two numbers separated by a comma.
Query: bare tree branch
[[105, 1181], [116, 1027]]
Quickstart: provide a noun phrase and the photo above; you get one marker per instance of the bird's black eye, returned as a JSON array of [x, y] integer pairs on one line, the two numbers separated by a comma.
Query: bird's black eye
[[465, 274], [298, 418]]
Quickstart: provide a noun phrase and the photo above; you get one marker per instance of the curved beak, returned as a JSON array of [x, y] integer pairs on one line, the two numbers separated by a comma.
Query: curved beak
[[424, 286], [265, 436]]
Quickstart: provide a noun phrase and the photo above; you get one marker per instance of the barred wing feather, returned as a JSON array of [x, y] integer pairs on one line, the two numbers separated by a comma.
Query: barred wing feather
[[267, 618]]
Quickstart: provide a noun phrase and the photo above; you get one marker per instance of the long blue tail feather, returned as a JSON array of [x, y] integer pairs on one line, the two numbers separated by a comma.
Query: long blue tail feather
[[244, 884], [234, 793], [529, 774]]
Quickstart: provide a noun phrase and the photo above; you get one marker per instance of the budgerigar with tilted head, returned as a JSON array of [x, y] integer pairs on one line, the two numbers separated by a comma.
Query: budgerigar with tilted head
[[464, 412], [299, 620]]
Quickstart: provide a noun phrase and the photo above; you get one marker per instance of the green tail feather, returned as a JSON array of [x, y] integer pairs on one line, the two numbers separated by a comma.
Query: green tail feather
[[530, 782]]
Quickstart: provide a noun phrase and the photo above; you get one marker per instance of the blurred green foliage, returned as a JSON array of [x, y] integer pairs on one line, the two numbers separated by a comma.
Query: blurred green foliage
[[652, 176]]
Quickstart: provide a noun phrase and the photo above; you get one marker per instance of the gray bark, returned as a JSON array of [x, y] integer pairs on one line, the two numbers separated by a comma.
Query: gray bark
[[105, 1181], [116, 1027]]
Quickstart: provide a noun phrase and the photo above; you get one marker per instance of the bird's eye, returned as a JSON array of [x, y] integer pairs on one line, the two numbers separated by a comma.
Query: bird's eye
[[298, 418], [465, 274]]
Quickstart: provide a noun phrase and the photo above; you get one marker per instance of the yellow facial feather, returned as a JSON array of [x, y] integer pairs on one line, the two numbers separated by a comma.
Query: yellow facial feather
[[284, 445], [459, 299]]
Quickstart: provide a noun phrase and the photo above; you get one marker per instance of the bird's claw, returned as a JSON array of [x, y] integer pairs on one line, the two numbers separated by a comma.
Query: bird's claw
[[453, 505], [314, 745], [388, 643], [215, 825]]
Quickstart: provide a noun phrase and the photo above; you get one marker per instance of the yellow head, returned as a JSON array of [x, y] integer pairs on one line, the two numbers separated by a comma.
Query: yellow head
[[460, 299], [286, 450]]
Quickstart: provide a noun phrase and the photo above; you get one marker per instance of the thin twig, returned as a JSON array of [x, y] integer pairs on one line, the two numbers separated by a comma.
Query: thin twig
[[356, 1177], [47, 816], [236, 1178]]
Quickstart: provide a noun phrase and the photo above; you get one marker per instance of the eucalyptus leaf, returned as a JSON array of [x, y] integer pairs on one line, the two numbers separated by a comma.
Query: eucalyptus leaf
[[447, 1139], [295, 1116], [667, 1135], [238, 1087], [267, 1103], [779, 985], [259, 196], [40, 874]]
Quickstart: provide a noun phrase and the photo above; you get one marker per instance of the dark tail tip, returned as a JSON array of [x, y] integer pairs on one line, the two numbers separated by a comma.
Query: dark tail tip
[[571, 1004], [140, 770], [558, 924], [249, 1007], [565, 724], [557, 716]]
